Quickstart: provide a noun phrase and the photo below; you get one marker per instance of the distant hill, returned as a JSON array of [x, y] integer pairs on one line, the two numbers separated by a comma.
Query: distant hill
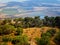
[[31, 8]]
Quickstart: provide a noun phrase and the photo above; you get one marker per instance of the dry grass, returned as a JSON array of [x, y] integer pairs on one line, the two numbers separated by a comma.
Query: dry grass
[[32, 33]]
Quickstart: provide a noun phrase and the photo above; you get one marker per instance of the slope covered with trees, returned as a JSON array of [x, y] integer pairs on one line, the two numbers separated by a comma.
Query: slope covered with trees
[[12, 30]]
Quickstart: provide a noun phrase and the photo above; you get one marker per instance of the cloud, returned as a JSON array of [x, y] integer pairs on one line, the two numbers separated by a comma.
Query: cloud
[[39, 8], [12, 0], [1, 4], [53, 4], [58, 0]]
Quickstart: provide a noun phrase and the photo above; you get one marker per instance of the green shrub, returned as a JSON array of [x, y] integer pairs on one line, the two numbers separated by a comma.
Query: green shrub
[[6, 29], [21, 40], [6, 38], [16, 40], [52, 32], [43, 41], [46, 34], [1, 31], [19, 31], [57, 38]]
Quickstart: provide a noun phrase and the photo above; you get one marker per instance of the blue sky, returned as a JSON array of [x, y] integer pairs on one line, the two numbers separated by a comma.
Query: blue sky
[[25, 0], [12, 0], [20, 0]]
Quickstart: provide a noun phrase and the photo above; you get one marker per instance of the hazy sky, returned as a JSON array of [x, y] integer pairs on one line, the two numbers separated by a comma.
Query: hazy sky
[[11, 0]]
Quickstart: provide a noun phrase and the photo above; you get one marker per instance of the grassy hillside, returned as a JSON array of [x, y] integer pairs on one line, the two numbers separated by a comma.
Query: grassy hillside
[[30, 31], [33, 33]]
